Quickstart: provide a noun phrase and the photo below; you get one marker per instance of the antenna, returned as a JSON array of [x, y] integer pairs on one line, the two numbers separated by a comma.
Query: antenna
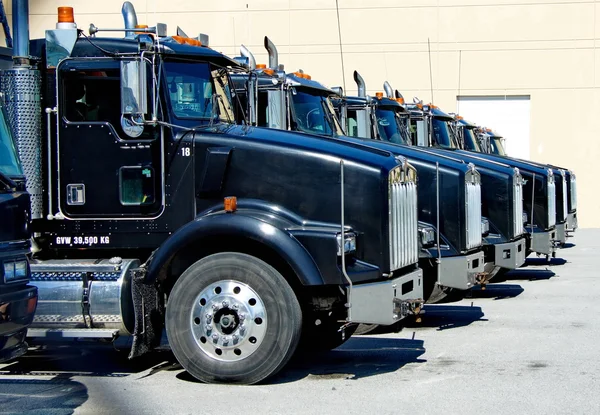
[[337, 9], [430, 75], [459, 68]]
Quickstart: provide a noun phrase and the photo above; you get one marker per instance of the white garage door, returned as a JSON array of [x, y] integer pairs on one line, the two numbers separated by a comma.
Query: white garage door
[[507, 115]]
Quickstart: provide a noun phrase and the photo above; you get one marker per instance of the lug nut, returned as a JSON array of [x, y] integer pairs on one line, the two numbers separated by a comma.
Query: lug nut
[[242, 329], [215, 337], [215, 307], [242, 317], [235, 307], [225, 341], [225, 304], [208, 318]]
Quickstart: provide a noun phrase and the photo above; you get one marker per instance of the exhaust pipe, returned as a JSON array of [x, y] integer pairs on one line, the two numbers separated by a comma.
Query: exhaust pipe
[[360, 83], [129, 16], [245, 52], [273, 55], [389, 92], [20, 18]]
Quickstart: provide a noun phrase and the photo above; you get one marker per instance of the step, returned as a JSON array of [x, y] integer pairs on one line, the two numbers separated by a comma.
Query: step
[[56, 334]]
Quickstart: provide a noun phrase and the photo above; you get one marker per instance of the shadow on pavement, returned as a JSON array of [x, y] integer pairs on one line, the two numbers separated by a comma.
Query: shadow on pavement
[[359, 357], [496, 291], [57, 396], [568, 245], [543, 261], [83, 360], [444, 317], [525, 274]]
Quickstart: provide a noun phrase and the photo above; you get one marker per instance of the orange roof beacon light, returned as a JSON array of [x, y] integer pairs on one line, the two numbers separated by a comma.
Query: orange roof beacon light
[[66, 18], [379, 95], [400, 100], [261, 66], [230, 204], [459, 117]]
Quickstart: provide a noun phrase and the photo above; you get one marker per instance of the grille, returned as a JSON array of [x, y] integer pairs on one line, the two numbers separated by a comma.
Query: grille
[[564, 195], [573, 192], [404, 249], [473, 211], [551, 200], [518, 203]]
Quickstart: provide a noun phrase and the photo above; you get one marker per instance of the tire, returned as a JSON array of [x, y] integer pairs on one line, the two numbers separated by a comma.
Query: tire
[[232, 318], [363, 329]]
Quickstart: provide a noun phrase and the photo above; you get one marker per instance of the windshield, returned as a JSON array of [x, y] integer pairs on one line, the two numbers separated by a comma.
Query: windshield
[[313, 113], [471, 143], [443, 136], [497, 146], [391, 126], [197, 92], [9, 161]]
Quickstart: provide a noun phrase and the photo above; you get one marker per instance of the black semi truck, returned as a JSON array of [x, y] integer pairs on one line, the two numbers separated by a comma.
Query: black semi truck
[[18, 300], [566, 183], [151, 208], [449, 191], [434, 128]]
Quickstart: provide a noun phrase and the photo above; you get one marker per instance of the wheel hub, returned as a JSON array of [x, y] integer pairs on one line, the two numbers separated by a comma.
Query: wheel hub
[[228, 320]]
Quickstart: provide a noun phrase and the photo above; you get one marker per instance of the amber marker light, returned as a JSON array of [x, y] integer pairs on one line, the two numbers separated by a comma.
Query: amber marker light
[[230, 204], [261, 66], [379, 95], [65, 15]]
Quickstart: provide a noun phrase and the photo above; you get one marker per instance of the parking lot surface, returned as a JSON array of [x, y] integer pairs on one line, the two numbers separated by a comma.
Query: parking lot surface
[[526, 344]]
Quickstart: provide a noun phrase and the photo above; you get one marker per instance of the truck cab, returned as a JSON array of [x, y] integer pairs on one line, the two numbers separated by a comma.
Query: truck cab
[[157, 210], [539, 188], [18, 299], [450, 223]]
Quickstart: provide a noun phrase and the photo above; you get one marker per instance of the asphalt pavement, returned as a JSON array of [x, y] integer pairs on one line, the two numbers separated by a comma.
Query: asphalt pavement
[[527, 344]]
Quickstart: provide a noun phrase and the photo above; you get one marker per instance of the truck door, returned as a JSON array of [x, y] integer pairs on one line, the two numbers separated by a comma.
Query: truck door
[[103, 172]]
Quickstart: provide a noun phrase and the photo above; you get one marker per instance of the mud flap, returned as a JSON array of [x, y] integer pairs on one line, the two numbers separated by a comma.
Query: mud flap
[[149, 314]]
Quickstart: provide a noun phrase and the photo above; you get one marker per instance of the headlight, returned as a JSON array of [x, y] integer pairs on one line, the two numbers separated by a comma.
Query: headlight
[[15, 270], [485, 226], [426, 236], [349, 244]]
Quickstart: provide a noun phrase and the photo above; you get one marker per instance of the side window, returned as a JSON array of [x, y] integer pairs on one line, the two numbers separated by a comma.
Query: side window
[[412, 128], [136, 185], [352, 123], [95, 96], [262, 109]]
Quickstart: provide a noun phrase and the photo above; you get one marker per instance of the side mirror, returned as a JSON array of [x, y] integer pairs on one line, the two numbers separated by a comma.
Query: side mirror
[[134, 88]]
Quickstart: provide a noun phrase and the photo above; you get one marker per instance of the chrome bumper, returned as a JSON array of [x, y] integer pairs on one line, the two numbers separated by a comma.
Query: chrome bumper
[[572, 221], [461, 272], [561, 232], [543, 242], [510, 255], [386, 302]]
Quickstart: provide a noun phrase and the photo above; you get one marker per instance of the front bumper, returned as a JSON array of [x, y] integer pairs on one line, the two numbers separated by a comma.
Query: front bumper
[[386, 302], [16, 314], [572, 221], [510, 255], [561, 232], [543, 242], [461, 272]]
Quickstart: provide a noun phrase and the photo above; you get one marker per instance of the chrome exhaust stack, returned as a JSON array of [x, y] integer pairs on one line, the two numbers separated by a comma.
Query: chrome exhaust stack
[[21, 86], [389, 92], [360, 83]]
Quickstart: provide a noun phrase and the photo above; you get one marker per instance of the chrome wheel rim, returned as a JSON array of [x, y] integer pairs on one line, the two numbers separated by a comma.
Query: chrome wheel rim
[[228, 320]]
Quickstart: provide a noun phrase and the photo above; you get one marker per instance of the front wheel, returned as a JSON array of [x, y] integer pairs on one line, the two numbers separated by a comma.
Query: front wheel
[[232, 318]]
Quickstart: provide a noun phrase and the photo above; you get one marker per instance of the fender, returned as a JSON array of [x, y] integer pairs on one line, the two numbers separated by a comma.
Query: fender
[[268, 230]]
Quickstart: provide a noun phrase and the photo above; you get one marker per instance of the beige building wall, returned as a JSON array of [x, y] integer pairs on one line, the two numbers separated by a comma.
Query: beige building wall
[[546, 49]]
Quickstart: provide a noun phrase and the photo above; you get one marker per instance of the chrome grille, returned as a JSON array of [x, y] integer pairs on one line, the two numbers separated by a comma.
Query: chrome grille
[[518, 203], [473, 210], [551, 200], [403, 222], [573, 191], [564, 194]]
